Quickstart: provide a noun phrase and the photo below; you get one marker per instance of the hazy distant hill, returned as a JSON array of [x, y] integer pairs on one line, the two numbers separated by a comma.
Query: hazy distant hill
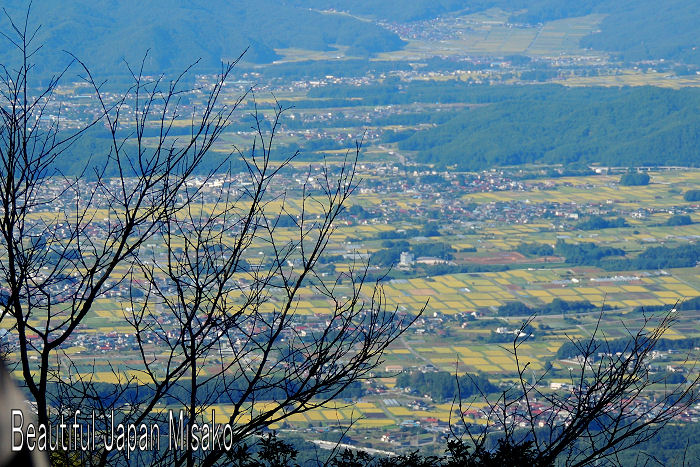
[[650, 29], [393, 10], [103, 32], [637, 29]]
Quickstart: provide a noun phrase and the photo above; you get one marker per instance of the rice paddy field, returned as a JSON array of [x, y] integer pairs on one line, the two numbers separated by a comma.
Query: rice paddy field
[[463, 349], [489, 33], [443, 338], [634, 78], [452, 294], [460, 309]]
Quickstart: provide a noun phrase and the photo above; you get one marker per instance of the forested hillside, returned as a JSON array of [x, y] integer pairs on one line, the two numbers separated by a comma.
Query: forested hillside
[[393, 10], [530, 11], [512, 125], [647, 29], [108, 32], [172, 31], [646, 126], [635, 29], [544, 124]]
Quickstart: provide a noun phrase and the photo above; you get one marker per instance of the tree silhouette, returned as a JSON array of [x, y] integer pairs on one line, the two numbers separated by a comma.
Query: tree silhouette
[[211, 328]]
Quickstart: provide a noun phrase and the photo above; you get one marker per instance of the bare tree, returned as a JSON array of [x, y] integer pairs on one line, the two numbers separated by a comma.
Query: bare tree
[[211, 327], [612, 402], [56, 265]]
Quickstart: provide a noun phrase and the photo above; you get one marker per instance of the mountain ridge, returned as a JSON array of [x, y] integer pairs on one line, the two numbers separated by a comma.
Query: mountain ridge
[[105, 34]]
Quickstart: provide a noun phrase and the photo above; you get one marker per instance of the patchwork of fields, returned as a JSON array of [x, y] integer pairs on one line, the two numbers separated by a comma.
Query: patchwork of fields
[[461, 319]]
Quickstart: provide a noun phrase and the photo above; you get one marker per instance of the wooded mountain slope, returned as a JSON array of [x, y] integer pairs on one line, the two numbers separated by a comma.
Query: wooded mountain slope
[[104, 32], [634, 29], [619, 127]]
